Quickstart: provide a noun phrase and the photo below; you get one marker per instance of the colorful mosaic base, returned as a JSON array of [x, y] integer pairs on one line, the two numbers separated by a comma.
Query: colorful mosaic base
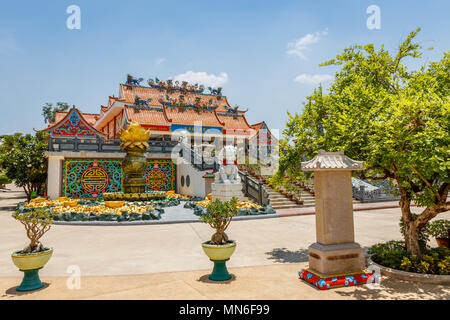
[[160, 175], [73, 126], [89, 178], [336, 281]]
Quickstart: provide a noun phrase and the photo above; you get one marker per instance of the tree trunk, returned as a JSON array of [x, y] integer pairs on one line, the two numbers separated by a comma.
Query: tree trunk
[[411, 231], [412, 239], [219, 237], [28, 193]]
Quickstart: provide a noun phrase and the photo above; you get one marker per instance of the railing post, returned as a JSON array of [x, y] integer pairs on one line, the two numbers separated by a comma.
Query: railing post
[[361, 190], [246, 183], [163, 145], [260, 192]]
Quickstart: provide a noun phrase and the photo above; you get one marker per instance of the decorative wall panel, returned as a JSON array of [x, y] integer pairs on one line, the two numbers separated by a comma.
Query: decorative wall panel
[[90, 178]]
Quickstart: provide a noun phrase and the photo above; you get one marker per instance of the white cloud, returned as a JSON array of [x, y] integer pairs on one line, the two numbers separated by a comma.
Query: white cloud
[[160, 61], [313, 78], [208, 80], [299, 46]]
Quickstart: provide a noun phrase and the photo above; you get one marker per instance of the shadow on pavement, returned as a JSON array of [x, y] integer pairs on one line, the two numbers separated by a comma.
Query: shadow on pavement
[[13, 292], [284, 255], [205, 279]]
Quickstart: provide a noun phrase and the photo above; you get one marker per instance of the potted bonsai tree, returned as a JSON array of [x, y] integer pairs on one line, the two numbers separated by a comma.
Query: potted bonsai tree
[[439, 230], [34, 256], [219, 249]]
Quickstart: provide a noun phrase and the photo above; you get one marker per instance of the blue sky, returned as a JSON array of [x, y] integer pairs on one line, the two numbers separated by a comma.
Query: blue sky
[[243, 45]]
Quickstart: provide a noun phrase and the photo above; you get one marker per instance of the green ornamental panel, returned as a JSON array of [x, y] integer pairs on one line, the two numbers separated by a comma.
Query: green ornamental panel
[[90, 178]]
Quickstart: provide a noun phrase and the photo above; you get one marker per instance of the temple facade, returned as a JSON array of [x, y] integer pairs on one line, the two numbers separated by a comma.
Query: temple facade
[[84, 154]]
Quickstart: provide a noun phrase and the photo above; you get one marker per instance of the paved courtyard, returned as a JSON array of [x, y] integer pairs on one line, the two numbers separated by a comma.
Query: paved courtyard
[[166, 261]]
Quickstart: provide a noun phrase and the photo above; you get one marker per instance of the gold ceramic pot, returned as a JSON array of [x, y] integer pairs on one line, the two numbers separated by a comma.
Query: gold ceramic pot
[[30, 261], [219, 252], [30, 264]]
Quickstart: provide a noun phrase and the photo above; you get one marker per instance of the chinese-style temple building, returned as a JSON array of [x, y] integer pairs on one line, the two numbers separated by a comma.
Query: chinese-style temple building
[[84, 154]]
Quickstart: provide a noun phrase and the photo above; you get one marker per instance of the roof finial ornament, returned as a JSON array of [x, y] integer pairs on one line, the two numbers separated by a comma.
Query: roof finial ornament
[[133, 81]]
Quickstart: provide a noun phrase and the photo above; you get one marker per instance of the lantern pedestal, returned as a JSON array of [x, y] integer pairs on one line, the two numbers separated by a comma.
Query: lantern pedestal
[[335, 259]]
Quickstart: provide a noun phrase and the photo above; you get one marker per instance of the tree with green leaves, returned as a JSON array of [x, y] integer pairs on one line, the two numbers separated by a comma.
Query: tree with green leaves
[[219, 216], [49, 111], [396, 120], [36, 222], [22, 160]]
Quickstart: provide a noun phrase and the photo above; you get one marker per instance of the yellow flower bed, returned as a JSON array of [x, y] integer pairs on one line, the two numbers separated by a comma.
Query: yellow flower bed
[[44, 203], [101, 209], [60, 207], [172, 194], [240, 204]]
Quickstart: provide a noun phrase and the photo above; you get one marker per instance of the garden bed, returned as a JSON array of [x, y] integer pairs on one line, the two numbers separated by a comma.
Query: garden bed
[[394, 261], [411, 276], [94, 210], [200, 210]]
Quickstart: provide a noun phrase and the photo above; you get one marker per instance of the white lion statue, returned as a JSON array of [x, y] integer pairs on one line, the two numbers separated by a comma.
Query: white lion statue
[[228, 171]]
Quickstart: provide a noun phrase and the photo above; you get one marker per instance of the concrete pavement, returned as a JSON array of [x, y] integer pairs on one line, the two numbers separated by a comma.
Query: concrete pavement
[[167, 261], [114, 250], [274, 282]]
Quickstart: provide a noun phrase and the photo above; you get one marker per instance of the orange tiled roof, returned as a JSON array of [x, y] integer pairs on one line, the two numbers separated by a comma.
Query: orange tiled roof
[[144, 116], [59, 115], [258, 126], [129, 92], [190, 116], [159, 116], [103, 109], [90, 118], [112, 99], [180, 115], [235, 122]]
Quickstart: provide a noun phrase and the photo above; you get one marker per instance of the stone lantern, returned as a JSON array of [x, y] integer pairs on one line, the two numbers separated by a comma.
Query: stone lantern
[[334, 259]]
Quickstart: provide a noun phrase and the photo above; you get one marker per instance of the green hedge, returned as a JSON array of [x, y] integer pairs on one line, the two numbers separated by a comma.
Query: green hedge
[[392, 254]]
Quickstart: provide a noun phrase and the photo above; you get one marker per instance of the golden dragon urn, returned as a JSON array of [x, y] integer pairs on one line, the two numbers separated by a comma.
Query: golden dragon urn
[[134, 142]]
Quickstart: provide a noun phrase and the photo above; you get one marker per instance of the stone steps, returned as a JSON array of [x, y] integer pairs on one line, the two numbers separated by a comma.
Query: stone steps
[[285, 206], [278, 201]]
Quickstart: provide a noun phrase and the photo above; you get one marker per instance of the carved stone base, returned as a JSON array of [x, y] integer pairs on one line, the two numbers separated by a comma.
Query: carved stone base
[[226, 191], [336, 258]]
